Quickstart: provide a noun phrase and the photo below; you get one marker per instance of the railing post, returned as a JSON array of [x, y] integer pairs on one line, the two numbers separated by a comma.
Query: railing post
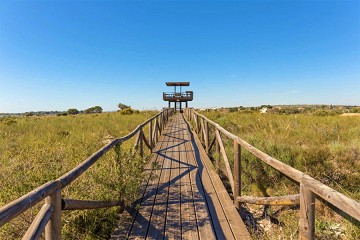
[[307, 213], [237, 173], [150, 135], [206, 126], [53, 227], [197, 123], [217, 160], [141, 144], [156, 131]]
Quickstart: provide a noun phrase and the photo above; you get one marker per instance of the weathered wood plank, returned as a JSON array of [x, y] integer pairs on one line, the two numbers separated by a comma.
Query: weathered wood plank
[[234, 221], [226, 160], [25, 202], [188, 215], [53, 226], [307, 213], [201, 209], [39, 223], [237, 173], [274, 201], [158, 216], [142, 222], [173, 210], [73, 204]]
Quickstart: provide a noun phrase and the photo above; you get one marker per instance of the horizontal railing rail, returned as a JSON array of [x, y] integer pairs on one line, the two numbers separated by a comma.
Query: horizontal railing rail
[[172, 94], [49, 217], [310, 188]]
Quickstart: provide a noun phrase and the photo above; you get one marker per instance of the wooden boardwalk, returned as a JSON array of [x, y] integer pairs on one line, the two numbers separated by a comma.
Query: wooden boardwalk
[[183, 198]]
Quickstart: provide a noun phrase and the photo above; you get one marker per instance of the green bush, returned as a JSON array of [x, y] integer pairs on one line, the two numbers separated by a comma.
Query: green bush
[[126, 111]]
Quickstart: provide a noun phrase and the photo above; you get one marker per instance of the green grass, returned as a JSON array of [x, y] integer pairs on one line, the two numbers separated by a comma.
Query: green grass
[[325, 147], [34, 150]]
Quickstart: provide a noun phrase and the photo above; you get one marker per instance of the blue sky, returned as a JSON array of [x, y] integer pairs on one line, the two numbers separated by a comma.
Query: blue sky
[[56, 55]]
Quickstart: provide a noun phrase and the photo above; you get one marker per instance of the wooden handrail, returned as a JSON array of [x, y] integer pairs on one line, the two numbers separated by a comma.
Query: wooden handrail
[[51, 190], [39, 223], [309, 187]]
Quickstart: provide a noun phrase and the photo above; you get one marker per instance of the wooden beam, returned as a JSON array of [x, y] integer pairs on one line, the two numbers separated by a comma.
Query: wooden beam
[[237, 173], [72, 204], [146, 142], [307, 213], [339, 200], [151, 136], [273, 201], [227, 164], [158, 126], [207, 137], [53, 227], [212, 142], [155, 132], [20, 205], [217, 148], [39, 223]]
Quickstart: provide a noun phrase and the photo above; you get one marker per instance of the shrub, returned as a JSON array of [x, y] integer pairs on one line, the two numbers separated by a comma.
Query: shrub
[[96, 109], [73, 111], [126, 111]]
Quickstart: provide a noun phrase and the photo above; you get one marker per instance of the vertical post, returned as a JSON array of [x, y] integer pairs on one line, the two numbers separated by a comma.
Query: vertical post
[[150, 135], [141, 150], [163, 120], [202, 130], [307, 213], [237, 173], [197, 123], [207, 136], [180, 106], [156, 131], [217, 160], [53, 227], [169, 104], [186, 104]]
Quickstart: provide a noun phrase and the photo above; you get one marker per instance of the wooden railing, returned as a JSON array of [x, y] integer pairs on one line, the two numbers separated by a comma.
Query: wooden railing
[[310, 188], [49, 216]]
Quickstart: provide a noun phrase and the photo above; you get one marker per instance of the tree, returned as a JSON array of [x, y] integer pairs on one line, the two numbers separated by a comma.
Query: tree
[[123, 106], [72, 111], [96, 109]]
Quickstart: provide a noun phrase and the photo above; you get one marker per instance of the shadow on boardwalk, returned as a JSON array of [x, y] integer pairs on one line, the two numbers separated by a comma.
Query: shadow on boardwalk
[[141, 223]]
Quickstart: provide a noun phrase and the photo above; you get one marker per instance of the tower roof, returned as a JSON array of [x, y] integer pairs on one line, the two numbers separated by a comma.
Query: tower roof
[[170, 84]]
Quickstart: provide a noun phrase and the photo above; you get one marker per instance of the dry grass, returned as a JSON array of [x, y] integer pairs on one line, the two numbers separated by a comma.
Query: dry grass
[[34, 150], [325, 147]]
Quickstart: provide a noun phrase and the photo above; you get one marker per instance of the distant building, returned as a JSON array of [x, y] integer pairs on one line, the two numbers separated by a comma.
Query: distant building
[[263, 110]]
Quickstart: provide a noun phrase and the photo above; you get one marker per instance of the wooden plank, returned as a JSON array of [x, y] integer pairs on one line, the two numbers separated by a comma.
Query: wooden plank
[[124, 227], [235, 222], [202, 213], [188, 219], [219, 222], [73, 204], [212, 142], [307, 213], [274, 201], [158, 216], [150, 135], [173, 209], [142, 222], [39, 223], [226, 160], [25, 202], [53, 226], [339, 200], [237, 173], [126, 221]]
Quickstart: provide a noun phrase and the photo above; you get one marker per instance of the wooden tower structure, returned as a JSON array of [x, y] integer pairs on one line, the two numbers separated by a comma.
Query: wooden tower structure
[[178, 97]]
